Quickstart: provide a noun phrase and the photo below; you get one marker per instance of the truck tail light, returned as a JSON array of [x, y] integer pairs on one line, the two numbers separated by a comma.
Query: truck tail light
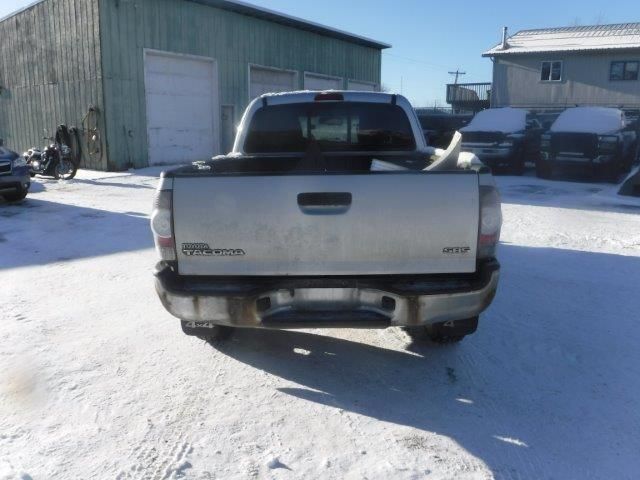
[[490, 221], [162, 220]]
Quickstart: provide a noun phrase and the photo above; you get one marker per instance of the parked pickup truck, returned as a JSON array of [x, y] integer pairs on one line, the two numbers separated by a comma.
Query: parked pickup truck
[[596, 139], [503, 138], [299, 228]]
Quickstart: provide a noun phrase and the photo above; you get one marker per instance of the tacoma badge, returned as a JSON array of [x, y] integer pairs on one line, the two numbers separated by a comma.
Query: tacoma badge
[[204, 250]]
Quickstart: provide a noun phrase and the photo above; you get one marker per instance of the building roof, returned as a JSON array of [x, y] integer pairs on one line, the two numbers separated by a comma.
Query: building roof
[[620, 36], [296, 22], [271, 15]]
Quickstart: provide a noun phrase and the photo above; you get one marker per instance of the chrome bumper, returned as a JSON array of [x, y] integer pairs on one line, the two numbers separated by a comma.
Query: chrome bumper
[[488, 151], [576, 158], [366, 302]]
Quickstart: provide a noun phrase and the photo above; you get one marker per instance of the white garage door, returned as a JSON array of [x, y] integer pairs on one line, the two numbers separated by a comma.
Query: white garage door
[[268, 80], [182, 108], [313, 81], [362, 86]]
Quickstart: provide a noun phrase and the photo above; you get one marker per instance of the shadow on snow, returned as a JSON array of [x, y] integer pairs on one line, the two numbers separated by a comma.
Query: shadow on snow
[[545, 388], [38, 232]]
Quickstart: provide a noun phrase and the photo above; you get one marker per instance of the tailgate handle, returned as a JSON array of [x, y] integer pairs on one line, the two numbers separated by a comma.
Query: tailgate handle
[[325, 202]]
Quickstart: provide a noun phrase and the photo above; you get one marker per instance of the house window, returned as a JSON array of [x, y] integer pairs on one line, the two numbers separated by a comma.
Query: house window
[[624, 71], [551, 71]]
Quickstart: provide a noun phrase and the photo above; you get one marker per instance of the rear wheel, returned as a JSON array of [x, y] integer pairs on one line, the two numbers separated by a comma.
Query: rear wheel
[[65, 169], [445, 332], [16, 196], [610, 172]]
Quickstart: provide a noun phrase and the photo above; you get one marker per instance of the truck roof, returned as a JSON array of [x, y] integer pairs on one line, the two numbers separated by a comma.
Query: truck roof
[[306, 96]]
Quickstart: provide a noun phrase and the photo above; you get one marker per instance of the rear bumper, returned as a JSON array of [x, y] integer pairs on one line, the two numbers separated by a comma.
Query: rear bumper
[[304, 302], [571, 158]]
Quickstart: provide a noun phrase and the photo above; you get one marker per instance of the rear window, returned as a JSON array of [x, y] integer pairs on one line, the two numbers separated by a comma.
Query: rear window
[[330, 126]]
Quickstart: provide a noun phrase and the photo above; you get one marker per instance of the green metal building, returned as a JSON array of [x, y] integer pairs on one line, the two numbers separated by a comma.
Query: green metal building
[[149, 82]]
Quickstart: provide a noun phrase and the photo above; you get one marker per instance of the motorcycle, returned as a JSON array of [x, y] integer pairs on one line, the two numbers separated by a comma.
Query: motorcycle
[[55, 160]]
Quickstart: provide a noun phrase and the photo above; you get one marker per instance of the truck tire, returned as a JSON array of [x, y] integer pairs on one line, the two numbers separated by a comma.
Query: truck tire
[[610, 172], [445, 332], [544, 169], [16, 196], [210, 334], [517, 164]]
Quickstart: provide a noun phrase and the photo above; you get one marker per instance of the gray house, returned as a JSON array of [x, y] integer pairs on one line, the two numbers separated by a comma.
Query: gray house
[[554, 68], [150, 82]]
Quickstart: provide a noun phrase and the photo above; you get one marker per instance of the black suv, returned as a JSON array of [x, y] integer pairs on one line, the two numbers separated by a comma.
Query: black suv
[[503, 138], [596, 139]]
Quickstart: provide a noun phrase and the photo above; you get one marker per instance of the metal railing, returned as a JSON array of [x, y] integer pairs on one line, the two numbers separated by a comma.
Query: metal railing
[[469, 96]]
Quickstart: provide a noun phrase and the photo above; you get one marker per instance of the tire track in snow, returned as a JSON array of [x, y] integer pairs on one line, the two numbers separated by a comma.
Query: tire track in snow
[[164, 450]]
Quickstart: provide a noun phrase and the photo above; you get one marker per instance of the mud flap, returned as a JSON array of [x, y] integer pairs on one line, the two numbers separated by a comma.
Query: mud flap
[[455, 328]]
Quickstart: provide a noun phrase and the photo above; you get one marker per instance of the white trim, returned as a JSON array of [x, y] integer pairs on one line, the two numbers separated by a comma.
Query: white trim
[[301, 21], [320, 75], [273, 69], [376, 87], [216, 113], [551, 62]]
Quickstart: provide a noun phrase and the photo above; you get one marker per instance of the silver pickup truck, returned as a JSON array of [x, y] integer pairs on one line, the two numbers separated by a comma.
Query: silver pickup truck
[[331, 211]]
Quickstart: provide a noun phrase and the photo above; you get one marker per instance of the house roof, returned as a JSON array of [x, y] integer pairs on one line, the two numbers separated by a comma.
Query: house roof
[[619, 36], [271, 15], [291, 21]]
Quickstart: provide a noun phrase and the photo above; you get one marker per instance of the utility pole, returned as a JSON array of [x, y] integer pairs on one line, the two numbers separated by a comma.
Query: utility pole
[[457, 73]]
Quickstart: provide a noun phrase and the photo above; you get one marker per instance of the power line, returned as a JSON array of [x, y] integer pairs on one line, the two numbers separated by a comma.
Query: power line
[[415, 61]]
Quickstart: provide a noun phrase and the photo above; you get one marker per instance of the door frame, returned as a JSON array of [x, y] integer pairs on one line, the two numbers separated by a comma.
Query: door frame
[[216, 111], [321, 75], [296, 77], [376, 87]]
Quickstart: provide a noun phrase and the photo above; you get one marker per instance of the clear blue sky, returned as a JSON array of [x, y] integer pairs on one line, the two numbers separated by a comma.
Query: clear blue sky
[[430, 38]]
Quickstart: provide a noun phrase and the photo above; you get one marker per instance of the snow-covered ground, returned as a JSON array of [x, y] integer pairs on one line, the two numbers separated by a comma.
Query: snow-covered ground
[[97, 381]]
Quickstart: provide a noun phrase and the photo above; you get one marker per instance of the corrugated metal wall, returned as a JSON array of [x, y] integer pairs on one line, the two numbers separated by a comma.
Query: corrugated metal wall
[[234, 40], [50, 71], [585, 81]]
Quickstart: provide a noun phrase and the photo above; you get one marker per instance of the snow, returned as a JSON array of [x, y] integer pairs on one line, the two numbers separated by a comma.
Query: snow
[[505, 120], [571, 39], [97, 381], [599, 120]]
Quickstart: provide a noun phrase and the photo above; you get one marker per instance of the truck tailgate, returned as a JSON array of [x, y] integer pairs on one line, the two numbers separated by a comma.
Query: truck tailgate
[[343, 224]]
